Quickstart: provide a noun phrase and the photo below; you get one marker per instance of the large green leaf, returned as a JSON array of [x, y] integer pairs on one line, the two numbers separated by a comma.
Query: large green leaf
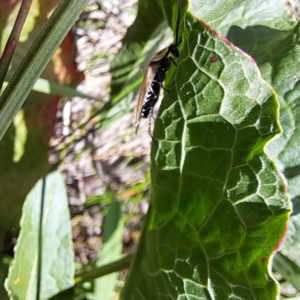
[[214, 12], [276, 50], [218, 204], [56, 252], [277, 53], [273, 43], [274, 14]]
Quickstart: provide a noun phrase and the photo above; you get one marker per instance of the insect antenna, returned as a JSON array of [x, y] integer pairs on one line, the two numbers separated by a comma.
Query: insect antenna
[[177, 24]]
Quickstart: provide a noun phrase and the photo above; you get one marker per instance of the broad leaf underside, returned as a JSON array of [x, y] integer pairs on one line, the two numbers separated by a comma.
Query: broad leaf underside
[[218, 203], [276, 50]]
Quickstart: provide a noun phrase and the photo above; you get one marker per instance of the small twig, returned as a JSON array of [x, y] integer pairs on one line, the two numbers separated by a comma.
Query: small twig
[[13, 39]]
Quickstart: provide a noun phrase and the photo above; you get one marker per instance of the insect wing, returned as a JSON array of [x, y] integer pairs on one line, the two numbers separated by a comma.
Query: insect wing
[[148, 78], [160, 55], [154, 78]]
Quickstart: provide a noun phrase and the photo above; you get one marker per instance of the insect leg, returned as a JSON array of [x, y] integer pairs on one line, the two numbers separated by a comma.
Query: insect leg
[[149, 126], [173, 61], [164, 88]]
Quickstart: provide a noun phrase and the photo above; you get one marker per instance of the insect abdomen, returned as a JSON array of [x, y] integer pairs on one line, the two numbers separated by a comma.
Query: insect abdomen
[[151, 98], [154, 89]]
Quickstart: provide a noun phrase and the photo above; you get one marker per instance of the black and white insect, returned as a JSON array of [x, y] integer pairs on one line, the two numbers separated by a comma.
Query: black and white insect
[[154, 78]]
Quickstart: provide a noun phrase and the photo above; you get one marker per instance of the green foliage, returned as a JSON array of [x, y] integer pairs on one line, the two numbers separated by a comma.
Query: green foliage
[[53, 251], [218, 206], [111, 248], [219, 200], [24, 168], [36, 60]]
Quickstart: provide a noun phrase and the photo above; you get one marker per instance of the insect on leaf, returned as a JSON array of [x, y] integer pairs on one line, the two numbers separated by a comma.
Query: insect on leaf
[[148, 78]]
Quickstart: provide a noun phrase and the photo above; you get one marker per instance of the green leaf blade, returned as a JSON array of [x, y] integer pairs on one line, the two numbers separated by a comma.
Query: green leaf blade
[[218, 203], [57, 252], [36, 60]]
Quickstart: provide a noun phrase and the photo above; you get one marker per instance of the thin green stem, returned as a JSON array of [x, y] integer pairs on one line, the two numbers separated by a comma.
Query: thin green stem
[[97, 272]]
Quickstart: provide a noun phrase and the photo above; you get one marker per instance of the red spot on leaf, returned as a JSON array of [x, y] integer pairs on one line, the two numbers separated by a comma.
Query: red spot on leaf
[[263, 259], [226, 41], [214, 58]]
